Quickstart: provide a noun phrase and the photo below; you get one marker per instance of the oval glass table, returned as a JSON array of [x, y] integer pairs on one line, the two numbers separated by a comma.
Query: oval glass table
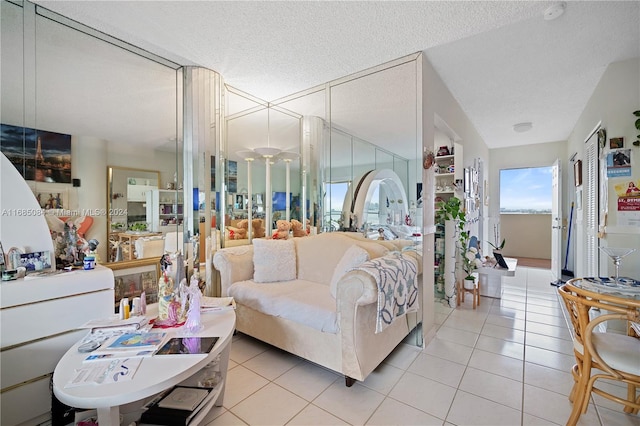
[[154, 375]]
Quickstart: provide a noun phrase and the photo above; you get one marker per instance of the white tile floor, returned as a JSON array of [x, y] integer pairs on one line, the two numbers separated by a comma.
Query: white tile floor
[[506, 363]]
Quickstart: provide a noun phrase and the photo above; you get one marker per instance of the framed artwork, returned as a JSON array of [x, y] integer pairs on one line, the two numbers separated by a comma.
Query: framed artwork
[[51, 196], [38, 155], [616, 143], [577, 173]]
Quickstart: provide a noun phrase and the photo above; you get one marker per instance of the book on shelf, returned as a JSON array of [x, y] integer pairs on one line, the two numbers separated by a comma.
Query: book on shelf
[[192, 399], [187, 346], [135, 341]]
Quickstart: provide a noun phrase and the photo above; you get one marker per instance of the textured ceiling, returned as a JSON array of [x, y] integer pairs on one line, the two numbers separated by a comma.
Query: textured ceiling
[[501, 60]]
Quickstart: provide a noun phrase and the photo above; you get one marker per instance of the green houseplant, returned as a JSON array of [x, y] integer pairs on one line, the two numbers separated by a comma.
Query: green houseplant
[[451, 209]]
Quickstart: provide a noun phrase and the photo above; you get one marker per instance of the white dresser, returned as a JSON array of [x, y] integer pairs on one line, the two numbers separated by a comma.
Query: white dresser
[[38, 320]]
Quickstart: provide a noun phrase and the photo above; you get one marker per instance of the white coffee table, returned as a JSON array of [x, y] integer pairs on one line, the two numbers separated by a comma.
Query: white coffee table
[[155, 374], [491, 277]]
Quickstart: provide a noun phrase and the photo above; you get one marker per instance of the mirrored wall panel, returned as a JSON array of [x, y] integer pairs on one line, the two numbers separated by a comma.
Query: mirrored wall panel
[[90, 105]]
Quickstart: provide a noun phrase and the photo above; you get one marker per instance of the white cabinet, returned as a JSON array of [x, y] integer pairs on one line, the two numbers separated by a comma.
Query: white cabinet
[[39, 318], [165, 209], [138, 193]]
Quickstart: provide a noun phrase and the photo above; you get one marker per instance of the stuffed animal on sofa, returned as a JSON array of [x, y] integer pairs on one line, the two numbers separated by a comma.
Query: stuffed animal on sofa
[[282, 231], [258, 228], [244, 225], [236, 233], [297, 229]]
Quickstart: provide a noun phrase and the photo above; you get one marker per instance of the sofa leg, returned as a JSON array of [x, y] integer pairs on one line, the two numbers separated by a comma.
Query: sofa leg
[[349, 381]]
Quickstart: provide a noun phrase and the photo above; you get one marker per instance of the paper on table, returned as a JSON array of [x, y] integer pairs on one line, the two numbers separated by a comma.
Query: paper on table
[[129, 324], [117, 370], [212, 304]]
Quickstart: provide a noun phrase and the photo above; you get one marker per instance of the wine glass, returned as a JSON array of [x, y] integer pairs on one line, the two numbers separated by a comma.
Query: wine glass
[[617, 254]]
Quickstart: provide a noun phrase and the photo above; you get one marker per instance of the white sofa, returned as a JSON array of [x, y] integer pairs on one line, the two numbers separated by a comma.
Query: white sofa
[[299, 313]]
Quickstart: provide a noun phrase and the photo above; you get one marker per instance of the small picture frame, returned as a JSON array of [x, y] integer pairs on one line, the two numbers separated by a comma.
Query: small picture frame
[[577, 173], [616, 143], [36, 261]]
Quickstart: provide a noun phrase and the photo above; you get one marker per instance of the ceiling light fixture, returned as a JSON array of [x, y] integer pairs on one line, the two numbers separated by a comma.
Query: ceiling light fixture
[[522, 127], [554, 11]]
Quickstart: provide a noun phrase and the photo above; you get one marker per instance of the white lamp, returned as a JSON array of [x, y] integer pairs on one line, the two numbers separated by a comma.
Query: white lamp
[[287, 157], [249, 156]]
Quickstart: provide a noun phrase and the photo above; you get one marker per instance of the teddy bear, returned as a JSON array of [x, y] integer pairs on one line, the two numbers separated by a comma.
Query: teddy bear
[[236, 232], [244, 226], [296, 227], [282, 230], [258, 228]]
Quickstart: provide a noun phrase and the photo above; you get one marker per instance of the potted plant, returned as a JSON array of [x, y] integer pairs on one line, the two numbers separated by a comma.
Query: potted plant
[[470, 262], [497, 247], [452, 210]]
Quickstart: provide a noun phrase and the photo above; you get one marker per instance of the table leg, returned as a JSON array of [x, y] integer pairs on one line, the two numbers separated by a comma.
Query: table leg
[[109, 416]]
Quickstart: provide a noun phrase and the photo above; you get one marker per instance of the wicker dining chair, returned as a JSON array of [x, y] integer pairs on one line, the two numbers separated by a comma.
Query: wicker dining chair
[[602, 355]]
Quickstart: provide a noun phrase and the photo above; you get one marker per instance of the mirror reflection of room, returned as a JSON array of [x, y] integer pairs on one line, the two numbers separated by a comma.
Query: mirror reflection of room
[[137, 127]]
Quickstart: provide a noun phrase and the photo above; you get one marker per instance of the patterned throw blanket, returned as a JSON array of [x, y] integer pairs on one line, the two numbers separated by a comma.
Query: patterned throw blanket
[[396, 276]]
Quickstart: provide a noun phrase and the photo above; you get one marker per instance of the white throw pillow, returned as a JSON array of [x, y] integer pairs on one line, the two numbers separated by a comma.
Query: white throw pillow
[[274, 260], [354, 256]]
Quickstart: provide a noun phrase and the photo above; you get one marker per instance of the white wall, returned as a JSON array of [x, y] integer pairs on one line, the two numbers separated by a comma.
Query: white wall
[[613, 102], [527, 235], [438, 100]]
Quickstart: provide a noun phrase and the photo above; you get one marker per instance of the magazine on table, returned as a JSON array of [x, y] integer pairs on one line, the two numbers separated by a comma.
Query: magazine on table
[[166, 411], [108, 356], [215, 304], [115, 324], [135, 341], [105, 371]]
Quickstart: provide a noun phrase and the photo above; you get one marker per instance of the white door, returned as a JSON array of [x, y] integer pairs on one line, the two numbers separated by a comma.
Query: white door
[[556, 222], [591, 205]]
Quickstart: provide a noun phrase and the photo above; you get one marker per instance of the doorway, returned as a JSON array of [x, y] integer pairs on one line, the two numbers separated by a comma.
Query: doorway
[[526, 220]]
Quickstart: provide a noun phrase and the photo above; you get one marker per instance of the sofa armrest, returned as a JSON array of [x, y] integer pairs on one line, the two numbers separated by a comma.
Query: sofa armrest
[[366, 288], [235, 264], [416, 256], [356, 288]]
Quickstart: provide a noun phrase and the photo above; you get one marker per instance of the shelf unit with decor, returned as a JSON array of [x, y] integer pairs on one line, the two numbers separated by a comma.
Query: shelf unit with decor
[[448, 184], [165, 208]]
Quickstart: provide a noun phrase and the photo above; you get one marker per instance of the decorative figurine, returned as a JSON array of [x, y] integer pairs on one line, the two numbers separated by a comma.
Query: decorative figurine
[[166, 293]]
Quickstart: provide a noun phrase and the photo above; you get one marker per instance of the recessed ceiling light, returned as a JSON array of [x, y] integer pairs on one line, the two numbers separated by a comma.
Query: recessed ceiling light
[[554, 11], [522, 127]]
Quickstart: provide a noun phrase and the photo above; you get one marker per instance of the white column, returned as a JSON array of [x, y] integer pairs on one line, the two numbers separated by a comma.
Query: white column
[[288, 190], [450, 263], [268, 197], [250, 201]]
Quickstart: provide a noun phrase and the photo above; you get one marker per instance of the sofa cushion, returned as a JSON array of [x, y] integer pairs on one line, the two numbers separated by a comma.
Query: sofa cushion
[[318, 256], [354, 256], [304, 302], [274, 260]]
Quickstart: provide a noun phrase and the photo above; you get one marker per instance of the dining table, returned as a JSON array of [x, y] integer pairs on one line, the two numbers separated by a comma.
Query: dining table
[[622, 288]]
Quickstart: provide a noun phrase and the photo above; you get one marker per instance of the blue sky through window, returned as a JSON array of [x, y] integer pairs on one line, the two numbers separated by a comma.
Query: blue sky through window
[[525, 190]]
